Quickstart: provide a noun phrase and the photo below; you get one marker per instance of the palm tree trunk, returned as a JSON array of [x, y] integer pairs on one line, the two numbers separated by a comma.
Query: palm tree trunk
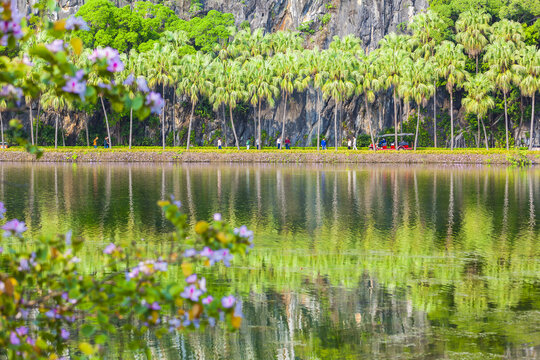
[[56, 131], [435, 114], [130, 126], [318, 120], [2, 128], [478, 138], [395, 118], [518, 136], [335, 126], [189, 128], [174, 116], [259, 128], [532, 124], [106, 122], [87, 135], [163, 116], [368, 115], [233, 129], [451, 121], [485, 134], [38, 117], [283, 125], [224, 124], [417, 126], [506, 122], [31, 123], [476, 57]]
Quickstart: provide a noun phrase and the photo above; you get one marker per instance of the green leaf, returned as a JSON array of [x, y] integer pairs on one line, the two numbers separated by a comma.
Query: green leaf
[[88, 330], [101, 339], [137, 103]]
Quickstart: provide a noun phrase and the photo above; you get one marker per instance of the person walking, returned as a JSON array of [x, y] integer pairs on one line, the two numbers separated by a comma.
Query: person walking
[[257, 143], [278, 143], [287, 144], [247, 144], [219, 143], [323, 144], [354, 144], [106, 143], [349, 144], [95, 142]]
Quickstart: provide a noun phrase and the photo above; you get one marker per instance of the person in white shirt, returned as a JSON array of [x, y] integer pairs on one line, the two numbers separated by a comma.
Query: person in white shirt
[[279, 143], [349, 143], [219, 143]]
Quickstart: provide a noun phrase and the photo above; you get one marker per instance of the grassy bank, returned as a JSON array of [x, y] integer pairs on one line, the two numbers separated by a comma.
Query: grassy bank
[[300, 155]]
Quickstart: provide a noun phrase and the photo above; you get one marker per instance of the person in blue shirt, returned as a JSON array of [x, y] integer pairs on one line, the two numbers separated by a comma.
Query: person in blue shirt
[[323, 144], [106, 143]]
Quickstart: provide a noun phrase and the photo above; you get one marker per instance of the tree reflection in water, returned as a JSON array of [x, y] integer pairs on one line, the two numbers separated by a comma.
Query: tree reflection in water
[[350, 262]]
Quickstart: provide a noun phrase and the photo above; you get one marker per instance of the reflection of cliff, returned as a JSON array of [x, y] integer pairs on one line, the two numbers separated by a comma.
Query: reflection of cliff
[[347, 260]]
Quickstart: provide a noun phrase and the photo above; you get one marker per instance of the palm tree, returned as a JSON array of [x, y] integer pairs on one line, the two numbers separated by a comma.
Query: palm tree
[[367, 83], [418, 84], [339, 85], [473, 30], [235, 91], [194, 81], [316, 63], [451, 61], [160, 71], [478, 101], [261, 88], [51, 101], [427, 32], [284, 70], [500, 57], [392, 57], [527, 77]]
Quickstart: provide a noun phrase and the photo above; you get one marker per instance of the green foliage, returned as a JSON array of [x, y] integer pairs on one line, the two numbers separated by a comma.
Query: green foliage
[[306, 27], [325, 19], [124, 29], [205, 32]]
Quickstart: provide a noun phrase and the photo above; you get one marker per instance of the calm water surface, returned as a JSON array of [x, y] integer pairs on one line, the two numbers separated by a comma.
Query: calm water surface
[[378, 262]]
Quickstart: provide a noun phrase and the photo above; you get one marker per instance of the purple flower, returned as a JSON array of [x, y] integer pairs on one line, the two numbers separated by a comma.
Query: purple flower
[[2, 210], [56, 46], [244, 232], [141, 84], [13, 339], [23, 265], [191, 293], [30, 341], [75, 87], [211, 321], [155, 102], [238, 309], [129, 80], [174, 323], [206, 252], [207, 300], [2, 287], [14, 227], [21, 331], [155, 306], [76, 23], [191, 279], [104, 86], [64, 334], [160, 266], [67, 238], [217, 217], [106, 53], [115, 65], [109, 249], [221, 255], [10, 91], [228, 301], [190, 253]]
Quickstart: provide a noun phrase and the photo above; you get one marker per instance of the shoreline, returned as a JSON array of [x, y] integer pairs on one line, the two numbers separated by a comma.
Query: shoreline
[[207, 155]]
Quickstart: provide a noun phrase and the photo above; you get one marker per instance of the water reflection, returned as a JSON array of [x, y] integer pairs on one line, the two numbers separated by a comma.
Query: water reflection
[[372, 262]]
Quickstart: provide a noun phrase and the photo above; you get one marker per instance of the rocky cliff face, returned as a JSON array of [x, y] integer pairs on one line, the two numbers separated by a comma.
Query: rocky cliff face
[[368, 19]]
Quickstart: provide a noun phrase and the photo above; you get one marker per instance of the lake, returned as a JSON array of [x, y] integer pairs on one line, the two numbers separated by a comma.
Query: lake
[[358, 262]]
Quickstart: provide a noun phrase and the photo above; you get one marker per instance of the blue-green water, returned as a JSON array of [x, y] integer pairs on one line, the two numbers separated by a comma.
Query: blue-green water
[[375, 262]]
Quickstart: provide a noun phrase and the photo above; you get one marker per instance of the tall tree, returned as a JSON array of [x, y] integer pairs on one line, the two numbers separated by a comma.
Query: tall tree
[[501, 57], [527, 77], [473, 30], [478, 101], [393, 54], [451, 66], [285, 72], [194, 81]]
